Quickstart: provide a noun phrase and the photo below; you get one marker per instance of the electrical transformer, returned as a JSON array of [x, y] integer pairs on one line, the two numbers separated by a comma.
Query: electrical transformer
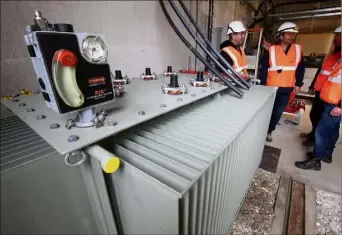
[[174, 154]]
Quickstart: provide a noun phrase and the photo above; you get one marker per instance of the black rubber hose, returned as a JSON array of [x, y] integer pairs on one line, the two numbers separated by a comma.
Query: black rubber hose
[[196, 53], [192, 33], [247, 85]]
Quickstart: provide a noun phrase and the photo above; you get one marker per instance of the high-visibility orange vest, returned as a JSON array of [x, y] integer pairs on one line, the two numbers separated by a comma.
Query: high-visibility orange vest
[[282, 67], [239, 59], [329, 63], [331, 89]]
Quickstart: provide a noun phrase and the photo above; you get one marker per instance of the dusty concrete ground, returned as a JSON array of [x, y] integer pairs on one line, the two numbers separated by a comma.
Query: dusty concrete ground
[[257, 212], [328, 212], [286, 137]]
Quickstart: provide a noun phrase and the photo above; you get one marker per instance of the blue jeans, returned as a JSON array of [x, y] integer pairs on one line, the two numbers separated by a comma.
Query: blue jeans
[[326, 133], [280, 103]]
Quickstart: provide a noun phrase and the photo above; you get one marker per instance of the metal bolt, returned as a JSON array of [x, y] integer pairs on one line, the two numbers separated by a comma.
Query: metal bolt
[[16, 100], [141, 113], [180, 99], [54, 126], [22, 105], [73, 138], [40, 117], [69, 123], [112, 123], [193, 95], [30, 110], [163, 105], [104, 113]]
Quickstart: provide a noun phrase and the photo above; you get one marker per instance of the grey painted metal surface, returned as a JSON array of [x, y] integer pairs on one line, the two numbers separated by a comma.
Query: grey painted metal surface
[[141, 95], [41, 195], [205, 155]]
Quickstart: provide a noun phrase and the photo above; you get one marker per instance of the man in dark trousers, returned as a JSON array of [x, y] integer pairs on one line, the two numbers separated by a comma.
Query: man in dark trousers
[[329, 63], [328, 129], [282, 67]]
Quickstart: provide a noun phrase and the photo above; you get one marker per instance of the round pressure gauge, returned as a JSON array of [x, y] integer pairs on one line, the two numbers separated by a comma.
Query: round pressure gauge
[[94, 49]]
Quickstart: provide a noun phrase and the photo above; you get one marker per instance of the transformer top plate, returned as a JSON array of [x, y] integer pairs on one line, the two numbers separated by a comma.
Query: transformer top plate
[[144, 100]]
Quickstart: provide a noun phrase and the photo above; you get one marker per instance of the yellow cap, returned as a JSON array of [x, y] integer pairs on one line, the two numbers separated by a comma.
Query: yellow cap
[[111, 165], [8, 97], [25, 92]]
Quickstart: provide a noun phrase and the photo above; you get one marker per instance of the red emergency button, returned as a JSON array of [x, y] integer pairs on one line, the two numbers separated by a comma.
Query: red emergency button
[[65, 57]]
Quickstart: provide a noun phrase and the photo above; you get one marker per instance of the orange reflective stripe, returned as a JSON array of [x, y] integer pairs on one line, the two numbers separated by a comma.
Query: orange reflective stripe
[[336, 79], [329, 64], [331, 90], [325, 72], [282, 67], [239, 59]]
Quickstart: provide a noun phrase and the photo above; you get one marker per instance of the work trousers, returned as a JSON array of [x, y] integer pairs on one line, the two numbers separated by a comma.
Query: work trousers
[[280, 103], [326, 133], [315, 113]]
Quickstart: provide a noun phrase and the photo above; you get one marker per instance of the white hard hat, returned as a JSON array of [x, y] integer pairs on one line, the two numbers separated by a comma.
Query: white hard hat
[[236, 27], [338, 29], [288, 27]]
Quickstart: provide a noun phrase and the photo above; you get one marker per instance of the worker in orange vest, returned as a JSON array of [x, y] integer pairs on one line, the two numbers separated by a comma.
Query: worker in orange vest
[[231, 49], [327, 130], [329, 63], [283, 67]]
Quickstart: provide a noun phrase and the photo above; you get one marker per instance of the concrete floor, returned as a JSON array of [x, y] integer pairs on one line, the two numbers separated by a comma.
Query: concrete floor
[[286, 137]]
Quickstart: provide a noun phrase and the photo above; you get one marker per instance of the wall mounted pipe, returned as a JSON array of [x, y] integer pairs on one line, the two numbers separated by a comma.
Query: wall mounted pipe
[[311, 16], [197, 54], [207, 42], [302, 12]]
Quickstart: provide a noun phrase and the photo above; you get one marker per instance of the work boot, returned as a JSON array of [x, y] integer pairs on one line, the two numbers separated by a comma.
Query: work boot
[[269, 137], [314, 164], [306, 135], [308, 143], [326, 159], [309, 155]]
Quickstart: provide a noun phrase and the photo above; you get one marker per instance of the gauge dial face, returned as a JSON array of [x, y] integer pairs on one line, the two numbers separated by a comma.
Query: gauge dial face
[[94, 49]]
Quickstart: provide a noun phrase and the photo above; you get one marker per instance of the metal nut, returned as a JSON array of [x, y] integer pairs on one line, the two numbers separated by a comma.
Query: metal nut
[[30, 110], [141, 113], [40, 117], [163, 105], [54, 126], [112, 123], [22, 105], [179, 99], [73, 138]]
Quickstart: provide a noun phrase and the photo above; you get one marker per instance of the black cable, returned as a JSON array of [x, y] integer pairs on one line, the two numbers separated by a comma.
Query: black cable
[[196, 31], [192, 33], [196, 53], [243, 81]]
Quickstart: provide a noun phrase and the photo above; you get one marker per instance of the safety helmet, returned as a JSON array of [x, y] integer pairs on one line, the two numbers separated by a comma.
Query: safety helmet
[[288, 27], [338, 29], [236, 27]]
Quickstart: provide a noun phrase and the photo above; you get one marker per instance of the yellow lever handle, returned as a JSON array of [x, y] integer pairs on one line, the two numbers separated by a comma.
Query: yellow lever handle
[[109, 162]]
